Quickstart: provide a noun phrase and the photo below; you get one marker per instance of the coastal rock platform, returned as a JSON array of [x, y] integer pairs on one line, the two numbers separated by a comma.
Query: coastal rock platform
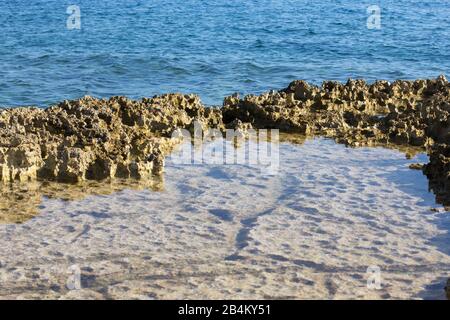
[[96, 139]]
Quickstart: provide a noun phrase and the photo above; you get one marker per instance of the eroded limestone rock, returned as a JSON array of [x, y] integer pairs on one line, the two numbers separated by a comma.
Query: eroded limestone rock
[[92, 139], [438, 172]]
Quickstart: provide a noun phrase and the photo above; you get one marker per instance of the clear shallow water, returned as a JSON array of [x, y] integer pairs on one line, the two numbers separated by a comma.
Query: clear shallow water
[[229, 232], [212, 48]]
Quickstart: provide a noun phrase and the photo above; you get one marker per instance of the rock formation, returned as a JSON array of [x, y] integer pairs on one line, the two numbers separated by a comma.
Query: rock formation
[[92, 139]]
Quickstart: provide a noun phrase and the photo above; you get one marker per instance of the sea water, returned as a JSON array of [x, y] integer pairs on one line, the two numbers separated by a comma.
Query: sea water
[[212, 48]]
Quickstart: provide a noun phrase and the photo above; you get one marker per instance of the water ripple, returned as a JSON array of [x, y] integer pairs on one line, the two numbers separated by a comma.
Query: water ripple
[[137, 48]]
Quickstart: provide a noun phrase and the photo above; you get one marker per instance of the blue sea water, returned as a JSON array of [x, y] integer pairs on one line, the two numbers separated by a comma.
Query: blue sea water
[[213, 48]]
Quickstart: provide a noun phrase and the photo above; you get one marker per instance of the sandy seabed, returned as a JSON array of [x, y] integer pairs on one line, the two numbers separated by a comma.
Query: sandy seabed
[[228, 231]]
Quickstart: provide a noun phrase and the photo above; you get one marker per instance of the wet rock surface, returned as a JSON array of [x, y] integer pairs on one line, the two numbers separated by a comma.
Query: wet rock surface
[[438, 172]]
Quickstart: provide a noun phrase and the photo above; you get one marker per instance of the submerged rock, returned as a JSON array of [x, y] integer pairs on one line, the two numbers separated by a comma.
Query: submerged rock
[[438, 172]]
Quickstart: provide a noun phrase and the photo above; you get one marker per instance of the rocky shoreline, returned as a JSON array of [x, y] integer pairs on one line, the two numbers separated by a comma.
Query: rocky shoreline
[[415, 113], [96, 139], [92, 139]]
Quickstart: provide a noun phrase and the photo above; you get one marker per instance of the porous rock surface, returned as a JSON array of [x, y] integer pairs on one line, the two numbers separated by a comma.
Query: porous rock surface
[[92, 139]]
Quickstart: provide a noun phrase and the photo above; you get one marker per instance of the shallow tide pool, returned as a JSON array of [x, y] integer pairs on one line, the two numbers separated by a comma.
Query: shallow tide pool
[[335, 222]]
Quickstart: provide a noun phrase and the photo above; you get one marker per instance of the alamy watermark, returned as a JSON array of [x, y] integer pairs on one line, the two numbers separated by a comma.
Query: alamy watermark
[[374, 19], [255, 148], [373, 278], [74, 20], [74, 278]]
